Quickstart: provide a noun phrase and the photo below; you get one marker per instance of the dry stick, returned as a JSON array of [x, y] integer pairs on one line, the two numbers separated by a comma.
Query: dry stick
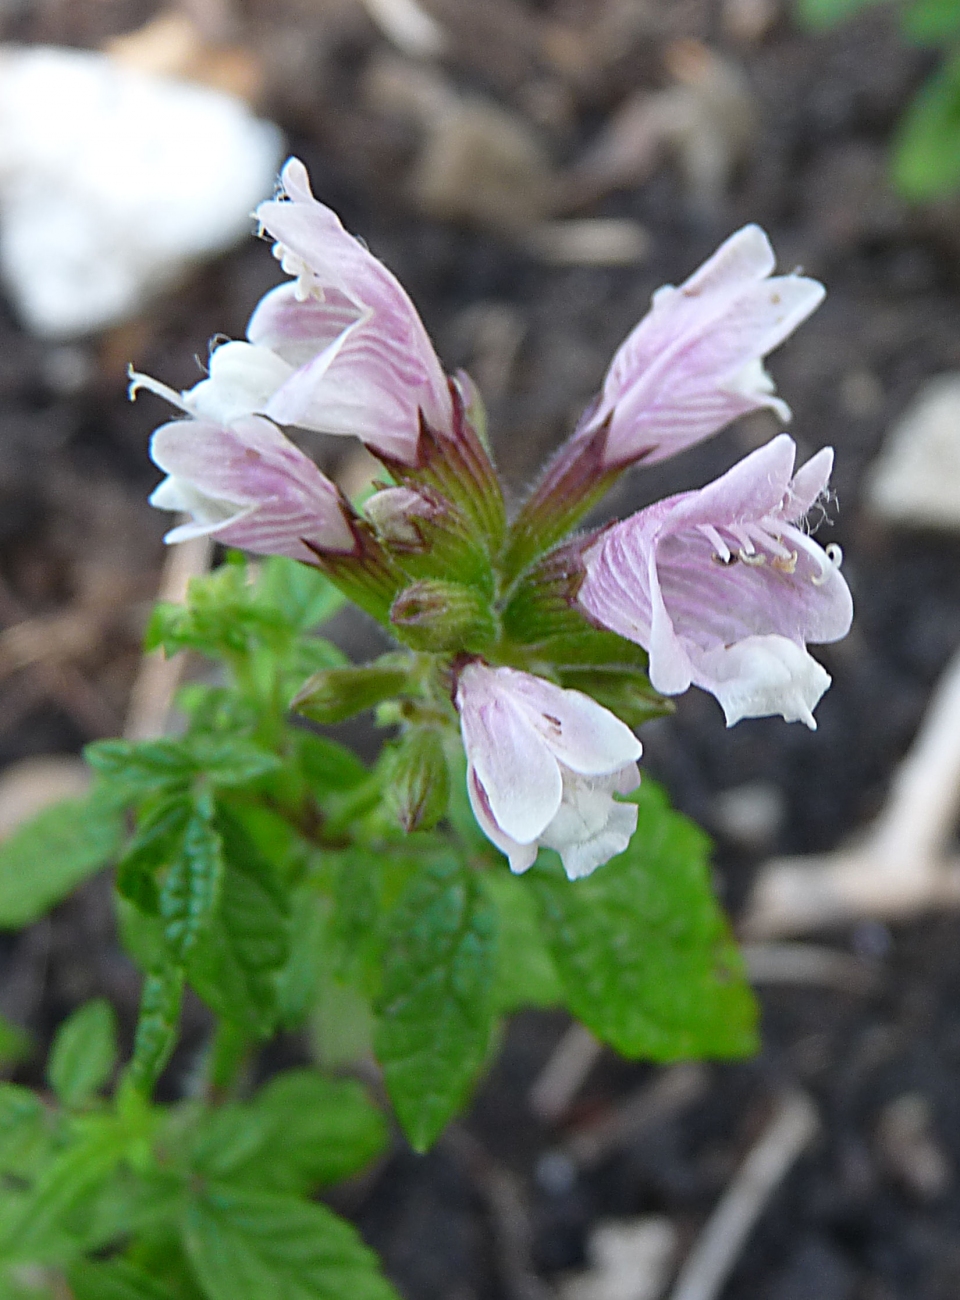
[[510, 1220], [159, 677], [709, 1264], [63, 682], [564, 1073], [655, 1103], [809, 964], [900, 867]]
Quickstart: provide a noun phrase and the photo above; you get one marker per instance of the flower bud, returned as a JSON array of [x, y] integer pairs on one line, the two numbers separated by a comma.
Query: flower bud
[[395, 514], [418, 783], [438, 615], [338, 693]]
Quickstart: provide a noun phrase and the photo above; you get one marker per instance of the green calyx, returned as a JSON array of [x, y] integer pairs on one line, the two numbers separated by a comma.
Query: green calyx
[[417, 784]]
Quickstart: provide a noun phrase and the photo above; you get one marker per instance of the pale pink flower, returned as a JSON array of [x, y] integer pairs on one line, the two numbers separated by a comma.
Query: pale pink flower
[[247, 485], [543, 765], [694, 362], [340, 350], [724, 588]]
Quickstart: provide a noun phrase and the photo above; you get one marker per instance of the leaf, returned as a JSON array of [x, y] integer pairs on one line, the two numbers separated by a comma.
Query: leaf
[[300, 1132], [642, 948], [221, 618], [15, 1043], [248, 1245], [25, 1132], [157, 842], [297, 981], [136, 770], [357, 889], [435, 1004], [157, 1026], [191, 889], [828, 13], [931, 21], [42, 1230], [50, 855], [235, 963], [329, 767], [526, 975], [926, 160], [301, 594], [83, 1054], [115, 1279], [133, 770]]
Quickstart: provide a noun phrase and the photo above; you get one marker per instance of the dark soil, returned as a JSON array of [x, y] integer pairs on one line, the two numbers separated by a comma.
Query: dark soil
[[75, 533]]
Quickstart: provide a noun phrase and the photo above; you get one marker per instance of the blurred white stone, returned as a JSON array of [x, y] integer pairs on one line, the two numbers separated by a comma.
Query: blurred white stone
[[916, 479], [750, 815], [113, 181], [630, 1260]]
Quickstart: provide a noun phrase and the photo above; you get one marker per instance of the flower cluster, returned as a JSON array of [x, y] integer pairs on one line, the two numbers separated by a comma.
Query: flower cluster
[[522, 632]]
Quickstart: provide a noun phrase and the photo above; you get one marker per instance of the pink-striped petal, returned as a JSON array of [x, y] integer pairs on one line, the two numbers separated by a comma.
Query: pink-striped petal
[[693, 363], [250, 487]]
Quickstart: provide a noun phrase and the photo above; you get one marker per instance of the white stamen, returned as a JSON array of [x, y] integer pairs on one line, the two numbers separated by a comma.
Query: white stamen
[[834, 554], [138, 381], [716, 541]]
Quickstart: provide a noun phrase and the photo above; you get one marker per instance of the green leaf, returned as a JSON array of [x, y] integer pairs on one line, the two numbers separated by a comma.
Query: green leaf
[[435, 1004], [43, 1230], [84, 1053], [221, 618], [931, 21], [926, 161], [229, 760], [133, 770], [15, 1043], [297, 981], [158, 842], [828, 13], [247, 1245], [642, 948], [191, 889], [300, 1132], [235, 963], [136, 770], [25, 1131], [157, 1026], [526, 975], [115, 1279], [329, 767], [49, 856], [301, 594]]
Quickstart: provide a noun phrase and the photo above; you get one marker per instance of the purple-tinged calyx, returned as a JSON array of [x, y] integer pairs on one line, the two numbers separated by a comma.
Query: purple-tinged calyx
[[543, 766], [724, 588]]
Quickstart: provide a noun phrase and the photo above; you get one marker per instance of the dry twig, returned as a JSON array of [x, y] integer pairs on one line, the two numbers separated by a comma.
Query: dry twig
[[810, 964], [708, 1265], [901, 866], [510, 1220], [564, 1074], [159, 677], [656, 1102]]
